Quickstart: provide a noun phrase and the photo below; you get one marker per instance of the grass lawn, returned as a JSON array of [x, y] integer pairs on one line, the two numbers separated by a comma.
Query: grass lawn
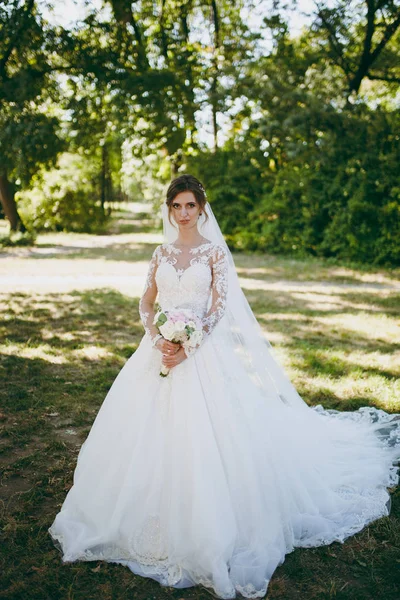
[[70, 320]]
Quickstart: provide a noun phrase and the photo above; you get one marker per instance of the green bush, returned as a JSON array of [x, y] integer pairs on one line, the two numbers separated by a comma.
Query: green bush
[[17, 238], [336, 195], [64, 199], [73, 210], [233, 185]]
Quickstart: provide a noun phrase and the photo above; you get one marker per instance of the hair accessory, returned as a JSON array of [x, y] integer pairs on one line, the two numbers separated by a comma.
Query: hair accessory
[[202, 189]]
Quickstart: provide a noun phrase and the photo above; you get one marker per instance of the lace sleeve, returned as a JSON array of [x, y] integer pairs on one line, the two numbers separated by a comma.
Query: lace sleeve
[[146, 303], [219, 291]]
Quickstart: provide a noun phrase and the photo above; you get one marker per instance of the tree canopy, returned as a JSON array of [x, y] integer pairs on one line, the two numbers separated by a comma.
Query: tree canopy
[[296, 135]]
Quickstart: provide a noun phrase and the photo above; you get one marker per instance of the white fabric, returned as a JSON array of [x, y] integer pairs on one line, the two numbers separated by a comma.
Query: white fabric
[[206, 294], [211, 475], [240, 324]]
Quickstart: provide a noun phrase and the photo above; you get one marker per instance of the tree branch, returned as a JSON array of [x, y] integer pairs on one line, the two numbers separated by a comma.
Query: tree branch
[[14, 38], [389, 78], [335, 44], [164, 40], [123, 13], [390, 31], [365, 61]]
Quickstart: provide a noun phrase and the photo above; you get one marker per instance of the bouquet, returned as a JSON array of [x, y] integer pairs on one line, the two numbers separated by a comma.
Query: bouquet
[[181, 326]]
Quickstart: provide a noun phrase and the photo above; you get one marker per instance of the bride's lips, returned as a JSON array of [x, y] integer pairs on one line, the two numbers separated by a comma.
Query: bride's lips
[[184, 221]]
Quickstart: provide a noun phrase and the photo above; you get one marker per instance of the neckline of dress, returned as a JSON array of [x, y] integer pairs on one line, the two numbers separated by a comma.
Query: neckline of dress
[[182, 270], [190, 249]]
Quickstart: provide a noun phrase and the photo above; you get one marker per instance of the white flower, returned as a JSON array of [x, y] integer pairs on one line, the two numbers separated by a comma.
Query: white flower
[[167, 330], [198, 334], [195, 338], [191, 324], [180, 325], [180, 336]]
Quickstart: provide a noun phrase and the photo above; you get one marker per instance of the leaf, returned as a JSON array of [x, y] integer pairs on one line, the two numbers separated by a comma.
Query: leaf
[[162, 319]]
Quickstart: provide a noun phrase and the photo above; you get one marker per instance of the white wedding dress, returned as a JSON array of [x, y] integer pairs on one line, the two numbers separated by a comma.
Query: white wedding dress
[[201, 478]]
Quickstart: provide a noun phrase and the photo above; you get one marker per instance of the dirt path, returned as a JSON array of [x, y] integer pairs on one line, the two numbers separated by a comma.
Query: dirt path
[[65, 262]]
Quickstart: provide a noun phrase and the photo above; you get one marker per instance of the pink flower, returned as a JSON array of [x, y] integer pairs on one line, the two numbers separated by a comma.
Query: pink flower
[[175, 316]]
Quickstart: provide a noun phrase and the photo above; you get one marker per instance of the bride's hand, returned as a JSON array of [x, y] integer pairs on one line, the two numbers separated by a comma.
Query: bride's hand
[[167, 347], [171, 360]]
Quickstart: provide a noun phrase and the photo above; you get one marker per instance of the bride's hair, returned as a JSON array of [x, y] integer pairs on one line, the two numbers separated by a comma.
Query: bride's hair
[[186, 183]]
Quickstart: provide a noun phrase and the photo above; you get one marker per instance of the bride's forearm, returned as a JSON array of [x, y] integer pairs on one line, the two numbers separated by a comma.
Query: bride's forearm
[[147, 313]]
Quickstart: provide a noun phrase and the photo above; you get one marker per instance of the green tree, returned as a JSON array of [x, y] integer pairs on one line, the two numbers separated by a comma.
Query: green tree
[[361, 38], [28, 131]]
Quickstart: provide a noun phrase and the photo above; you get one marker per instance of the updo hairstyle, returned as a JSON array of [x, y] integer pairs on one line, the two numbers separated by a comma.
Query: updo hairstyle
[[186, 183]]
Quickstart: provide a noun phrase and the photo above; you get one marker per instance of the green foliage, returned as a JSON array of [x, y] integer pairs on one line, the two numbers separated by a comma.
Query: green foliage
[[65, 198], [29, 130], [17, 238], [74, 210], [233, 182], [310, 154], [335, 192], [28, 140], [341, 198], [304, 170]]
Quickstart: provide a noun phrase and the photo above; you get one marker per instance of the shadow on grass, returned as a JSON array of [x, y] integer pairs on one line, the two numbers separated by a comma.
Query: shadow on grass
[[311, 302], [131, 251], [73, 321], [61, 353]]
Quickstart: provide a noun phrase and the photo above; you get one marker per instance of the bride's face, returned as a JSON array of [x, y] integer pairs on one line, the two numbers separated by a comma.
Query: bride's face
[[185, 210]]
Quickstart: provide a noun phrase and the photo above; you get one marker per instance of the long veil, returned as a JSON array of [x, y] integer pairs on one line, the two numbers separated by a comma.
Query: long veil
[[240, 328], [239, 325]]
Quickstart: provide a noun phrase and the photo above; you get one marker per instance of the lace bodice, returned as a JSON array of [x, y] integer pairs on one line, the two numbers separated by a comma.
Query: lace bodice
[[196, 279]]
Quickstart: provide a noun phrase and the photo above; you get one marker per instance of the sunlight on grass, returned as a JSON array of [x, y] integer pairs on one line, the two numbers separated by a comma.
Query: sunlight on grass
[[373, 360], [44, 352], [343, 354], [92, 353], [75, 321], [277, 268], [329, 301], [366, 326], [374, 277], [66, 336], [353, 391]]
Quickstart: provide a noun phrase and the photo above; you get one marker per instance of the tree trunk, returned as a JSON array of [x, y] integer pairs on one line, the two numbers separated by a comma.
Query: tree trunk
[[215, 75], [214, 110], [365, 60], [7, 199], [103, 175], [189, 109]]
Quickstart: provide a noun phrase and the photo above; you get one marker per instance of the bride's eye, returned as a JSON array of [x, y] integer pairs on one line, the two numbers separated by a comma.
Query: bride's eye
[[190, 205]]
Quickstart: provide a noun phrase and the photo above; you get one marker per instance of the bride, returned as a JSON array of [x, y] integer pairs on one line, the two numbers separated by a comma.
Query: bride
[[211, 475]]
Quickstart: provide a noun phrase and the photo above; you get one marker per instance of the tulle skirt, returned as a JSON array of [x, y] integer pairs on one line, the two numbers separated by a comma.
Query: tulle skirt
[[199, 478]]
